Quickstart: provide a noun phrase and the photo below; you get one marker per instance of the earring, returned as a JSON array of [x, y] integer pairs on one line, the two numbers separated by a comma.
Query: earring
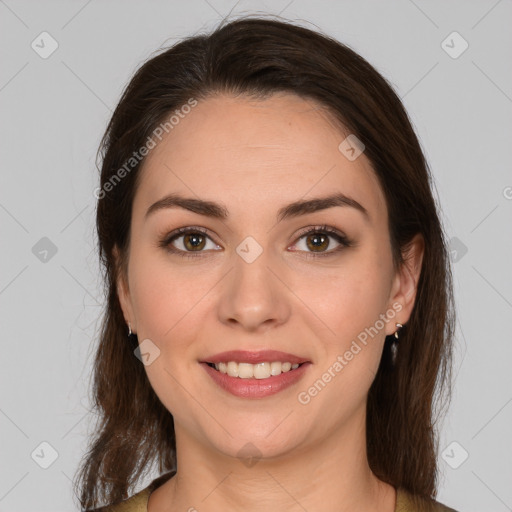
[[132, 337], [131, 334], [394, 344]]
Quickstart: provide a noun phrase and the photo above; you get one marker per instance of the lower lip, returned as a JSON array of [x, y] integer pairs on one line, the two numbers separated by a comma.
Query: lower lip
[[256, 388]]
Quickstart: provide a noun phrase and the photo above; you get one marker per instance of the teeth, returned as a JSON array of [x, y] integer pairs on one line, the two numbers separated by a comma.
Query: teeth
[[245, 371], [255, 371], [275, 368], [232, 369]]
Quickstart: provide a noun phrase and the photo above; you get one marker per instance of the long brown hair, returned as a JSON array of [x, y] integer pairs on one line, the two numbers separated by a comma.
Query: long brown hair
[[258, 57]]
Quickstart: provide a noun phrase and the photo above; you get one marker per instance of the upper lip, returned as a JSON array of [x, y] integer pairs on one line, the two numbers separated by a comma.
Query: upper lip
[[261, 356]]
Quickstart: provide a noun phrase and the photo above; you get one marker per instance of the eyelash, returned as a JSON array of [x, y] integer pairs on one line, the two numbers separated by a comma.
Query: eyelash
[[342, 239]]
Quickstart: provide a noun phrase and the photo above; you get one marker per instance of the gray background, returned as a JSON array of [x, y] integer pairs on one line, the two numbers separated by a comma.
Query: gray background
[[54, 111]]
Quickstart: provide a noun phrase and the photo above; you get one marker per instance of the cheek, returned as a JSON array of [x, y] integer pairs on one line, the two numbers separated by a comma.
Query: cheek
[[349, 299], [168, 306], [173, 305], [161, 291], [351, 305]]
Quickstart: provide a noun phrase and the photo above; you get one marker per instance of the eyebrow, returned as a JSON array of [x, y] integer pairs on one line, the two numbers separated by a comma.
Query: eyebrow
[[292, 210]]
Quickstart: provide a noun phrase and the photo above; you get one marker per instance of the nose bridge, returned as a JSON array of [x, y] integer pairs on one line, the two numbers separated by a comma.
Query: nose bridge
[[252, 296]]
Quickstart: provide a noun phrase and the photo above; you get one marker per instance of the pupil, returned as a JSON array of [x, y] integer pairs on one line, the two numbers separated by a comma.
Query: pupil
[[318, 240], [194, 241]]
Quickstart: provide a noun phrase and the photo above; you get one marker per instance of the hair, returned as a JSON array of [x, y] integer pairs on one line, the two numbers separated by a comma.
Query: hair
[[258, 57]]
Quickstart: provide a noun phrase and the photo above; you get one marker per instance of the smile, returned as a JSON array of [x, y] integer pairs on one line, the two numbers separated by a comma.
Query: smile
[[263, 370], [262, 384]]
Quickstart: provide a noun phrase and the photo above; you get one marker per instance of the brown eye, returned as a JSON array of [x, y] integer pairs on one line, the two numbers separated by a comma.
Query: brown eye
[[321, 241], [188, 241], [194, 241], [317, 242]]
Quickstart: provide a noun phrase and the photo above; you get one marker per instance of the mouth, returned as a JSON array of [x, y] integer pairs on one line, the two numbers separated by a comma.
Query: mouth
[[263, 370], [255, 374], [261, 364]]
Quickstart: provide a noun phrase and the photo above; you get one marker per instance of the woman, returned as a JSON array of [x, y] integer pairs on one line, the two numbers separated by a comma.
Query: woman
[[272, 248]]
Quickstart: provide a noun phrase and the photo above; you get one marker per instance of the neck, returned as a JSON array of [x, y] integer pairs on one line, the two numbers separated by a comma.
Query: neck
[[333, 473]]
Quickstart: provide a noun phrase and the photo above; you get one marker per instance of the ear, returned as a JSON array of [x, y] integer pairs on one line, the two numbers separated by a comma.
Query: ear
[[123, 291], [405, 282]]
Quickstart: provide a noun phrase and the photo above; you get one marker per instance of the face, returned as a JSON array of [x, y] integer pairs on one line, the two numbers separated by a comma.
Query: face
[[316, 283]]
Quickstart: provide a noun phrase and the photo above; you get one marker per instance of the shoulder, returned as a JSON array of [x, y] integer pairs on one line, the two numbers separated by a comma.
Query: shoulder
[[406, 502], [136, 503], [139, 501]]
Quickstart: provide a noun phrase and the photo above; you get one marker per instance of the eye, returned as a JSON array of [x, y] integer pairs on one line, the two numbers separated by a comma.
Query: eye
[[189, 240], [317, 240], [192, 241]]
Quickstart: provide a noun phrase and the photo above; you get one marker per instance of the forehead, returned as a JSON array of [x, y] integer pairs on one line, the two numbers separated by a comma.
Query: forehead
[[257, 154]]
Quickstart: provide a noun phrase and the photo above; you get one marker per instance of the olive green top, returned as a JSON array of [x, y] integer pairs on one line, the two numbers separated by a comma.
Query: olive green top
[[405, 502]]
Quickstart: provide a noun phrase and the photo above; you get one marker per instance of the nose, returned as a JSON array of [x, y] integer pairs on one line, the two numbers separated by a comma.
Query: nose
[[254, 297]]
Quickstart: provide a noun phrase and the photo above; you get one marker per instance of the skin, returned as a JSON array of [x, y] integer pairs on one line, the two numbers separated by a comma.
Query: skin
[[255, 156]]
